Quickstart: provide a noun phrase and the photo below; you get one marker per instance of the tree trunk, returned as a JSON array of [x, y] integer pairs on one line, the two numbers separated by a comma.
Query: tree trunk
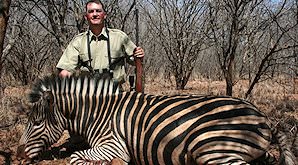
[[182, 78], [4, 9], [229, 85]]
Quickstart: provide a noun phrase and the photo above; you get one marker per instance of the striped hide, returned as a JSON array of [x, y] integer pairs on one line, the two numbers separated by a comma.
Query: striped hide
[[147, 129]]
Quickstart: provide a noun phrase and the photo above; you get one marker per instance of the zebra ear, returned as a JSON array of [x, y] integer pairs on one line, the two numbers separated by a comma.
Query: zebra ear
[[49, 98], [23, 109]]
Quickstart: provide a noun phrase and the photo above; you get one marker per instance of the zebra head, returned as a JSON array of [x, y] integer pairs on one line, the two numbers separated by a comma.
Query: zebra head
[[45, 124]]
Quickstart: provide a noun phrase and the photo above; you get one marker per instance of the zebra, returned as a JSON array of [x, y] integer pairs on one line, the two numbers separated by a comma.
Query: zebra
[[141, 128]]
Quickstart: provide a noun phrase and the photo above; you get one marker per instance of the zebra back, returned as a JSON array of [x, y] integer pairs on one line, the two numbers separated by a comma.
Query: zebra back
[[69, 87]]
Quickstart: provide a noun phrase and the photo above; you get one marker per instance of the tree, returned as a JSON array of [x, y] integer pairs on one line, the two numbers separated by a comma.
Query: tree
[[4, 10], [247, 37], [227, 22], [278, 41], [54, 17], [177, 25], [32, 55]]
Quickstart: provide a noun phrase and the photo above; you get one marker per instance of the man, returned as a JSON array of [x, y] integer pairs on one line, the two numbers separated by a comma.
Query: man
[[99, 50]]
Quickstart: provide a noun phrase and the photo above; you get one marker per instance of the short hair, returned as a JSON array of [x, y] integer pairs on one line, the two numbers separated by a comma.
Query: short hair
[[97, 2]]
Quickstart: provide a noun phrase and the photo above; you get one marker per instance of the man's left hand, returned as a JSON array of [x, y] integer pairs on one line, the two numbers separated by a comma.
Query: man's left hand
[[138, 52]]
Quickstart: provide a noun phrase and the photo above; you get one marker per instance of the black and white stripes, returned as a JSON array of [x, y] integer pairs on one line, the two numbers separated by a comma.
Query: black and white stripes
[[145, 129]]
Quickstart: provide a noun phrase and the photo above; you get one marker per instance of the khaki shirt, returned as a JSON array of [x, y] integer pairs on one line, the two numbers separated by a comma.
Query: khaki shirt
[[120, 46]]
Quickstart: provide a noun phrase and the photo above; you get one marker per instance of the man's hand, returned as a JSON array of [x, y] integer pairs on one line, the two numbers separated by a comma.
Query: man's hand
[[138, 52], [65, 73]]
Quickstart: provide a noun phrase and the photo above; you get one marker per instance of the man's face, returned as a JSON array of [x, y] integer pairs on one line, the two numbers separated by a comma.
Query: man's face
[[95, 14]]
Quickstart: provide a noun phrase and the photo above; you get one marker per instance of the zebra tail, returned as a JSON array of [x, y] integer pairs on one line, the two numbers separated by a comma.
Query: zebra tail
[[286, 155]]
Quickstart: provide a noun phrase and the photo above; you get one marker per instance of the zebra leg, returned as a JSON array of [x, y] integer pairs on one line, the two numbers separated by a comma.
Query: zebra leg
[[229, 161], [266, 159], [223, 159], [98, 156], [87, 157]]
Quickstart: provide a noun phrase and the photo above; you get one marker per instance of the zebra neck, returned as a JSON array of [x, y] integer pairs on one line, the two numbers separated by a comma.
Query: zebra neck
[[84, 111]]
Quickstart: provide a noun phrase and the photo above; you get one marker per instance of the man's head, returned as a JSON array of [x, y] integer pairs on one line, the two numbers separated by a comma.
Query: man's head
[[95, 13], [97, 2]]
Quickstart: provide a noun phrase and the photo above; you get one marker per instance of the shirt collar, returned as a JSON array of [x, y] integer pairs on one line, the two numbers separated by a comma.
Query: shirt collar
[[102, 36]]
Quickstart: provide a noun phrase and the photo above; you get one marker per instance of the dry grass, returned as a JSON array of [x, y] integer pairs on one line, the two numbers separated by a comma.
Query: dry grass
[[274, 98]]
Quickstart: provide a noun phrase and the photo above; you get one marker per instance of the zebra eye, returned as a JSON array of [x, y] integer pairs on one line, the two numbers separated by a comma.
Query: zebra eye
[[37, 122]]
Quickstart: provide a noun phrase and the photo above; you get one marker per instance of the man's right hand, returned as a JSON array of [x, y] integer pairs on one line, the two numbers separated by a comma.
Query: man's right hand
[[65, 73]]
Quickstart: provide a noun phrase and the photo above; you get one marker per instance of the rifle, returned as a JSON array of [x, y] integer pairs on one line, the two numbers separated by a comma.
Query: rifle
[[138, 61]]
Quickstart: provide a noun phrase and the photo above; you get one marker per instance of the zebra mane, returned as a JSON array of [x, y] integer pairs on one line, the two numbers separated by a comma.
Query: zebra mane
[[74, 84]]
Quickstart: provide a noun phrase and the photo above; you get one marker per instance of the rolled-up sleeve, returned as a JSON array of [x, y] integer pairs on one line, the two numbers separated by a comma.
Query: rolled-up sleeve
[[129, 47], [69, 58]]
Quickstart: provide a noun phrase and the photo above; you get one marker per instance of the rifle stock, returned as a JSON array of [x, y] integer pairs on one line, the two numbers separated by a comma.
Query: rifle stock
[[139, 73]]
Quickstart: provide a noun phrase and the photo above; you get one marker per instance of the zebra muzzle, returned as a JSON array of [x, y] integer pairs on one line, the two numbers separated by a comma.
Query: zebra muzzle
[[21, 151], [22, 155]]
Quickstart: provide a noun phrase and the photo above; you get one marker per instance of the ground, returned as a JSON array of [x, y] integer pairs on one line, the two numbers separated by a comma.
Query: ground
[[279, 102]]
